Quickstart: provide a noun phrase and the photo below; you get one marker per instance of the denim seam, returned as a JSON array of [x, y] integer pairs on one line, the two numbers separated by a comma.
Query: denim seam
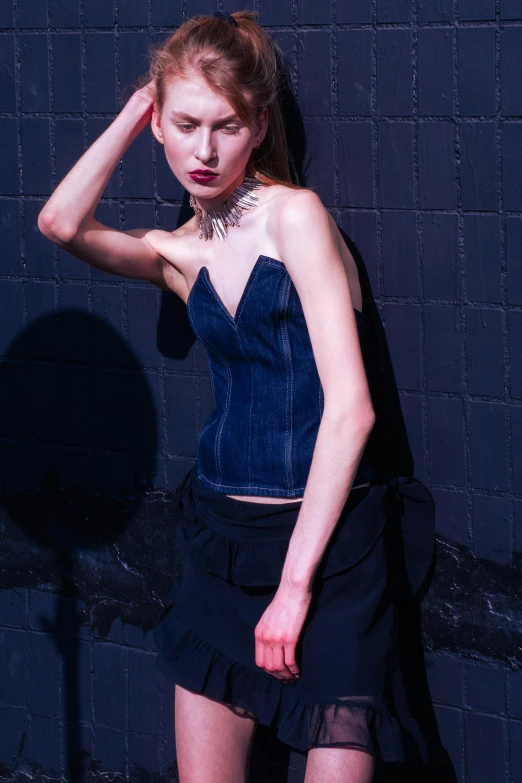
[[277, 265], [217, 444], [240, 343], [239, 488], [289, 387], [249, 472]]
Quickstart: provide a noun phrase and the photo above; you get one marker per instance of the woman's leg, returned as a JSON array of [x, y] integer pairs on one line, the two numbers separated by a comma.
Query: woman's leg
[[339, 765], [213, 741]]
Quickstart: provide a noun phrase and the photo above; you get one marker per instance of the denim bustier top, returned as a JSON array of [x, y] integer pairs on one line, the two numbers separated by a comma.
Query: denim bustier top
[[260, 437]]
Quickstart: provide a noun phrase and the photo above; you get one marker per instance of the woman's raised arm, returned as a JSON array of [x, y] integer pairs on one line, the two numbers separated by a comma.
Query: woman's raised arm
[[67, 218]]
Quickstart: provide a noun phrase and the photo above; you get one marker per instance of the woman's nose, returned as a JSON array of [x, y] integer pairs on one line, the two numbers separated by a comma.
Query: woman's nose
[[205, 149]]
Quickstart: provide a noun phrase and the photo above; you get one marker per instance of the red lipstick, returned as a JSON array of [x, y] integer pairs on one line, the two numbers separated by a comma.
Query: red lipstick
[[202, 175]]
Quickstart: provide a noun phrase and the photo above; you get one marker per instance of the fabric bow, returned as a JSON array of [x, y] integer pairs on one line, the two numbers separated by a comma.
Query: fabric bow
[[412, 511]]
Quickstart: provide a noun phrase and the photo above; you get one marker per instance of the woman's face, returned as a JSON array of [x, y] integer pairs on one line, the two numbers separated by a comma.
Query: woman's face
[[200, 130]]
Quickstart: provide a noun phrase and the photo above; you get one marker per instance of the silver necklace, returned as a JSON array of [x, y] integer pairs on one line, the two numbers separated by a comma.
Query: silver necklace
[[215, 220]]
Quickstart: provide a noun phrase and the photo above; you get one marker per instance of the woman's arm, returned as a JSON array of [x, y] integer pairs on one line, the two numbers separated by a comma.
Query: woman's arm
[[67, 218], [310, 247], [309, 242]]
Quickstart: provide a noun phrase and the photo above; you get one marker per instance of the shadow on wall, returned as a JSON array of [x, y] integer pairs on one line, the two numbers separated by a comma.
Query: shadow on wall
[[388, 444], [78, 424], [391, 456], [78, 453]]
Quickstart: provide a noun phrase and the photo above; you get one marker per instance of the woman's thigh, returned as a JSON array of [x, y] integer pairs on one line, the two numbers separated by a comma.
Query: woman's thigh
[[213, 741], [339, 765]]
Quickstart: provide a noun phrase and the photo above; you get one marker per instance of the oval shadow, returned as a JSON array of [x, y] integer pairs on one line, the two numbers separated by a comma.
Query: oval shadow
[[78, 427]]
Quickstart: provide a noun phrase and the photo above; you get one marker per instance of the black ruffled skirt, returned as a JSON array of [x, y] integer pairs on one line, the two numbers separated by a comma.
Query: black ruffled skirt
[[351, 690]]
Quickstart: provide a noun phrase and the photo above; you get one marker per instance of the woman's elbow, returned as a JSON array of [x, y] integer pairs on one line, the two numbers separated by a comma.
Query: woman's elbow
[[350, 416], [365, 418], [53, 228]]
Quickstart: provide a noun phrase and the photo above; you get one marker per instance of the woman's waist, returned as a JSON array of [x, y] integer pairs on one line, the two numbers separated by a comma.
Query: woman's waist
[[254, 520], [279, 501], [244, 519]]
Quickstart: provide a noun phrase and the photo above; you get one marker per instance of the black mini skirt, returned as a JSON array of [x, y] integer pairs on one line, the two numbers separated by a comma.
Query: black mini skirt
[[351, 690]]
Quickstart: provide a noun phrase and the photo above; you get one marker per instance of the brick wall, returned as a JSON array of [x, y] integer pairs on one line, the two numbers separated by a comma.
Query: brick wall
[[412, 112]]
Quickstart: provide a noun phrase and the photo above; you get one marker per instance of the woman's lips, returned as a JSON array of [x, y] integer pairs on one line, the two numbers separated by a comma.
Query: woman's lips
[[203, 177]]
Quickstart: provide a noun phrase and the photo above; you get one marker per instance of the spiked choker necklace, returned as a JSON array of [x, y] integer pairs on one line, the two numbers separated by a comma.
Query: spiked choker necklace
[[217, 220]]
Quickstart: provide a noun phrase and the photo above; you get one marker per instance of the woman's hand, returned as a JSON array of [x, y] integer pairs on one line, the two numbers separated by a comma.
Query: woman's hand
[[145, 100], [278, 631], [146, 95]]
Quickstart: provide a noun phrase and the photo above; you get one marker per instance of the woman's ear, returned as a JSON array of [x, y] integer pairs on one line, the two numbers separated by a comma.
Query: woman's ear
[[262, 123], [155, 125]]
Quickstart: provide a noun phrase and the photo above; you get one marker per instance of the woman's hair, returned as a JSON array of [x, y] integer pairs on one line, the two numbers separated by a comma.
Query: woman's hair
[[242, 63]]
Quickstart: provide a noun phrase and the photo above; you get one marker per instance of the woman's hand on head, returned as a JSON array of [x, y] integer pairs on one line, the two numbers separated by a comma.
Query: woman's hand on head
[[146, 97]]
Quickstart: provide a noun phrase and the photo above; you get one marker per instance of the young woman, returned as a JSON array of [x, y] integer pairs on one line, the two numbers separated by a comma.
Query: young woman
[[286, 610]]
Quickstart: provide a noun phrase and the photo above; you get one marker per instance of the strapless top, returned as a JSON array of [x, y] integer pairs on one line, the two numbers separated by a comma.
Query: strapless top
[[260, 437]]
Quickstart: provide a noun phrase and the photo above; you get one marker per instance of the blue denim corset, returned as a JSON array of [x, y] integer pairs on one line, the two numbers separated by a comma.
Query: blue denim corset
[[259, 439]]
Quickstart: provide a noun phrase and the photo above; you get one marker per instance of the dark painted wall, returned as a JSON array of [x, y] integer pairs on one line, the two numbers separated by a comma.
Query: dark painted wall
[[412, 113]]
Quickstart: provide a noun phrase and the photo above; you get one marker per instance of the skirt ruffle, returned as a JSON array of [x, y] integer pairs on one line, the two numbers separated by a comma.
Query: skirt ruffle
[[196, 665], [351, 692]]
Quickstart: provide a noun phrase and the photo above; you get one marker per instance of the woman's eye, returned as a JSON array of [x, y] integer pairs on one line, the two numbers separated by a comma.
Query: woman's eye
[[227, 128]]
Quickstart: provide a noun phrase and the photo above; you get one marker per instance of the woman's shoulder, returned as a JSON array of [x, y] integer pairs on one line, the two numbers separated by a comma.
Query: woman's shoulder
[[279, 195], [289, 205], [286, 205], [299, 209]]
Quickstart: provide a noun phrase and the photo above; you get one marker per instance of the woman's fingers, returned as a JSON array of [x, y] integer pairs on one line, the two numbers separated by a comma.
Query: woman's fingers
[[279, 667], [147, 94], [290, 660], [277, 659]]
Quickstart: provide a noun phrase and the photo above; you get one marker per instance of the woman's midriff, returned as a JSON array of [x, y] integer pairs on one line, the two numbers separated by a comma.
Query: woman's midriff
[[257, 499]]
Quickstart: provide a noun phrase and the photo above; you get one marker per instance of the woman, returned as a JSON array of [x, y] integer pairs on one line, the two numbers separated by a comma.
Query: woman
[[286, 611]]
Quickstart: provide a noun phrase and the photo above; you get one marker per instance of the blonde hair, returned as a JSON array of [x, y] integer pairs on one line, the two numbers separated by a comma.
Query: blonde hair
[[242, 64]]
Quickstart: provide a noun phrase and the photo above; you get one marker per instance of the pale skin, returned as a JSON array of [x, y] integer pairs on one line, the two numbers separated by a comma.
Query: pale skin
[[214, 740]]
